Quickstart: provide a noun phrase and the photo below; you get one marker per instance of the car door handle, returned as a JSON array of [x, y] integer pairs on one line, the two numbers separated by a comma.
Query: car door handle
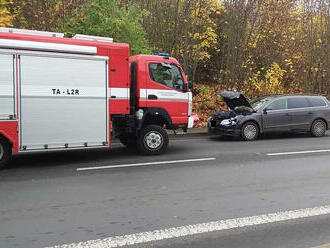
[[152, 97]]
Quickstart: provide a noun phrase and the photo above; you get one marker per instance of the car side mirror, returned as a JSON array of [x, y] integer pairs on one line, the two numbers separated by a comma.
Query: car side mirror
[[190, 85], [265, 111]]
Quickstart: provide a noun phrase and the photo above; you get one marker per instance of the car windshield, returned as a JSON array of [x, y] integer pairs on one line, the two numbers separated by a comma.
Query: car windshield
[[257, 103]]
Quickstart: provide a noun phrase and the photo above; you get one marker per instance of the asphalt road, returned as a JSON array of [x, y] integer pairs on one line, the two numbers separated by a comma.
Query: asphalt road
[[46, 201]]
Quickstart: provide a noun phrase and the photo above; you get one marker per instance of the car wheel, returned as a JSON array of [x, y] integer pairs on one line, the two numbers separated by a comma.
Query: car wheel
[[5, 152], [250, 131], [153, 140], [318, 129]]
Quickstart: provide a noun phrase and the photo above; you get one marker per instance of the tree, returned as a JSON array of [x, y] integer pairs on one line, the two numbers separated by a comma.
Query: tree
[[6, 19], [106, 18], [314, 71], [198, 33], [185, 28], [50, 15]]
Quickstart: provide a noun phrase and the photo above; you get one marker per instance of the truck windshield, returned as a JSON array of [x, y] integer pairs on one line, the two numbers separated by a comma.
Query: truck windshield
[[168, 75]]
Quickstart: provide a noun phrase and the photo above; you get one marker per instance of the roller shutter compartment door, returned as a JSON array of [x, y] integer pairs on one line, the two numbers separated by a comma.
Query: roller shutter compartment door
[[63, 102]]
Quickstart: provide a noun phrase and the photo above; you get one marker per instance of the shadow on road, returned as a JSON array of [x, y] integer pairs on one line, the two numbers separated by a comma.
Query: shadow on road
[[273, 136], [93, 157], [61, 158]]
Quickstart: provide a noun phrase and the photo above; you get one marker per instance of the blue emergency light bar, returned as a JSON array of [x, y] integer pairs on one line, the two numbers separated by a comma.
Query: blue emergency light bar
[[162, 54]]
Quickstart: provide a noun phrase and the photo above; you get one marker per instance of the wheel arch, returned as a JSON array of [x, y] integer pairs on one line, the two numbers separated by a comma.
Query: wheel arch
[[7, 137], [156, 116], [322, 119], [253, 121]]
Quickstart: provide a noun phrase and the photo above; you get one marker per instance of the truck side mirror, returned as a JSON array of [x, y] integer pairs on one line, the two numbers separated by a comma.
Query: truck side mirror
[[190, 85], [166, 66]]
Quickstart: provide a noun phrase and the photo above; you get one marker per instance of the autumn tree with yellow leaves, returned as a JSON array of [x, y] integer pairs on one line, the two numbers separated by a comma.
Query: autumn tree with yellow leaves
[[6, 19], [184, 28]]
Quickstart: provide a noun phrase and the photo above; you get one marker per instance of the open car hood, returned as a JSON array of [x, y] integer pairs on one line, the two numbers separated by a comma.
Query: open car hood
[[234, 99]]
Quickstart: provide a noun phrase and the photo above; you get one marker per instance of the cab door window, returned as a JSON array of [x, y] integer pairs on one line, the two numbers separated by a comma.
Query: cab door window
[[168, 75]]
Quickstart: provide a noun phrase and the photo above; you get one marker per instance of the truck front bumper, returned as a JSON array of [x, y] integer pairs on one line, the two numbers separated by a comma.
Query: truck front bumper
[[191, 122]]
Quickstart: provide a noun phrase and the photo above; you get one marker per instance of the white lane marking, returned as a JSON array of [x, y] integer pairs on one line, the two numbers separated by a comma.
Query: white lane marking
[[182, 231], [298, 152], [143, 164], [322, 246]]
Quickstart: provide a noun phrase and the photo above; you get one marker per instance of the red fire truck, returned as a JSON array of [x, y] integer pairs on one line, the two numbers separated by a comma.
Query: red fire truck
[[71, 93]]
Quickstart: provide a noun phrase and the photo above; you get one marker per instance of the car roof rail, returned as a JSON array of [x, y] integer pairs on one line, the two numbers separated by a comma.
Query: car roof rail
[[293, 94]]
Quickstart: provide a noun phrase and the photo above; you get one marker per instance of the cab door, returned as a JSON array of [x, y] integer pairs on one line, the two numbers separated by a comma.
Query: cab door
[[7, 86], [167, 90]]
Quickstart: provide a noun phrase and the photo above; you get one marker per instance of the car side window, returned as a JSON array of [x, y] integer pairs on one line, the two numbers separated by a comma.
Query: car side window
[[298, 102], [168, 75], [317, 101], [278, 104]]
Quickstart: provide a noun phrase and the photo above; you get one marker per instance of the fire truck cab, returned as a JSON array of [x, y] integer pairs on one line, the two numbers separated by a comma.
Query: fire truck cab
[[79, 93]]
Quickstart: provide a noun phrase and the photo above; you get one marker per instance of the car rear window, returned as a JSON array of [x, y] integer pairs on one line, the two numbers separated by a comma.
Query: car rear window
[[317, 101], [298, 102]]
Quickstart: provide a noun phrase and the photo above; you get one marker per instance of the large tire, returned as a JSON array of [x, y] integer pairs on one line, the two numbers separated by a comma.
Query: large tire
[[153, 140], [5, 152], [319, 127], [250, 131]]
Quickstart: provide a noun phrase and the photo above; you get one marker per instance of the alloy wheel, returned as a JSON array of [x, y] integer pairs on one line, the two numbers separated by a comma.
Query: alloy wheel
[[319, 128], [250, 132]]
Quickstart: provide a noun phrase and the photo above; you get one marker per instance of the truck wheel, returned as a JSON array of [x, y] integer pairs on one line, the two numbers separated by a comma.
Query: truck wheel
[[153, 140], [318, 129], [5, 152], [250, 131]]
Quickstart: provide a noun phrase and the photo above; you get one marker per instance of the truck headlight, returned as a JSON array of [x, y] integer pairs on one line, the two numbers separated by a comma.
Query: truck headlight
[[190, 103]]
